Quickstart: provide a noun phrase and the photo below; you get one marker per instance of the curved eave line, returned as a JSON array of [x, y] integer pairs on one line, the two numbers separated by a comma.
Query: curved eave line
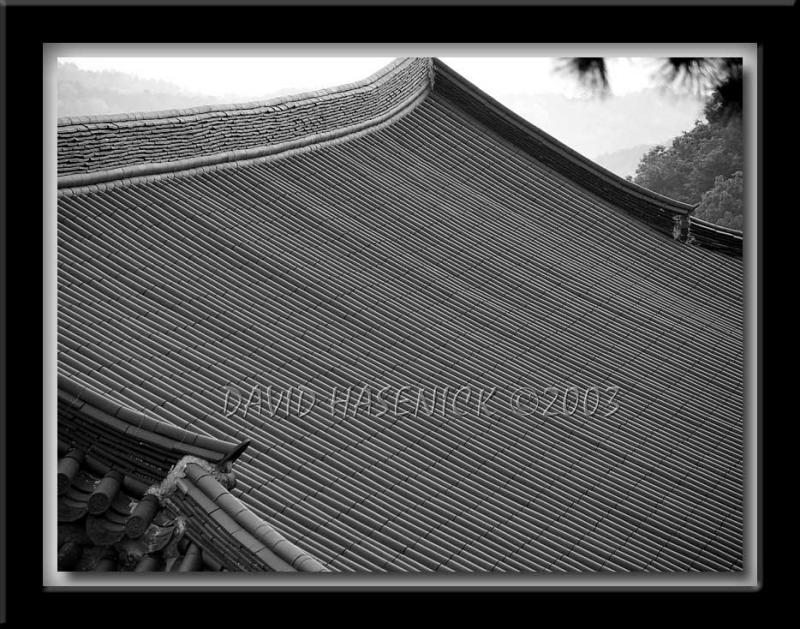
[[215, 111], [493, 107], [716, 237], [94, 181], [147, 429], [728, 231]]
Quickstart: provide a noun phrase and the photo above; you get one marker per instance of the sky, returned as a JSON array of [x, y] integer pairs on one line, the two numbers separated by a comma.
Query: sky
[[637, 112], [247, 77]]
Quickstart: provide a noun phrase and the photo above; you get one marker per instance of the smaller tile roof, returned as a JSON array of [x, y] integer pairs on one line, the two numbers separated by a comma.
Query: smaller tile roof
[[103, 527], [114, 436], [111, 517]]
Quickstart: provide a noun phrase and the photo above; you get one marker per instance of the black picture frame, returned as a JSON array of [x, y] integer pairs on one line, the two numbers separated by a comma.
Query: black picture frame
[[26, 27]]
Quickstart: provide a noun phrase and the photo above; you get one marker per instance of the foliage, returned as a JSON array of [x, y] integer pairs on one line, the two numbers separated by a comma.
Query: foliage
[[692, 75], [723, 203], [690, 166], [703, 165]]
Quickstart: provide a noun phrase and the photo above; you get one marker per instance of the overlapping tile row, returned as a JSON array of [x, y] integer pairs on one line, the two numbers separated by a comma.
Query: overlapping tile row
[[714, 237], [431, 252], [87, 145]]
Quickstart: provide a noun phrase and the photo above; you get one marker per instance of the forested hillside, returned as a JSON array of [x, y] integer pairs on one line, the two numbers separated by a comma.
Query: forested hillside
[[704, 165], [87, 92]]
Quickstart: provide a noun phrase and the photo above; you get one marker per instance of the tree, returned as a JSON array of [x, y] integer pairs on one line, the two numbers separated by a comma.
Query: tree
[[703, 165], [690, 165], [698, 75], [723, 203]]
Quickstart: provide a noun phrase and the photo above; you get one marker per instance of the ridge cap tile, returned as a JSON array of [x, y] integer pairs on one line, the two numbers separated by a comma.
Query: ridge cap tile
[[210, 487], [230, 504], [226, 522], [203, 502], [275, 562]]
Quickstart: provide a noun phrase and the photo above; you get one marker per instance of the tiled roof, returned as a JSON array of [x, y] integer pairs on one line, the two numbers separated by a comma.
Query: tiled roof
[[122, 145], [713, 236], [116, 437], [189, 521], [235, 537], [442, 242]]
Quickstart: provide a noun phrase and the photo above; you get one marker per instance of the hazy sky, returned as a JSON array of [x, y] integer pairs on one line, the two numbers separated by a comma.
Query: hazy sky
[[635, 114]]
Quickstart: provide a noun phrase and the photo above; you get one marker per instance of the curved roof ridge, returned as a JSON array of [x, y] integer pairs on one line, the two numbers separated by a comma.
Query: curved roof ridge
[[97, 149], [666, 214], [97, 152], [261, 539], [91, 182], [442, 68], [223, 108]]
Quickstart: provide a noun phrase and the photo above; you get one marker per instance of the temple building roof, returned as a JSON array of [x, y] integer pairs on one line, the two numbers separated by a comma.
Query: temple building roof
[[408, 232]]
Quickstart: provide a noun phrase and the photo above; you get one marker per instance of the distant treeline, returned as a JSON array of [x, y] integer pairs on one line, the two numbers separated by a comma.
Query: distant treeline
[[85, 92], [702, 166], [91, 92]]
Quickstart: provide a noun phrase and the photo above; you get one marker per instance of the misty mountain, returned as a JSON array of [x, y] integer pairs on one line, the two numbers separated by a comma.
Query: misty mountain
[[597, 126], [86, 92], [624, 161]]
